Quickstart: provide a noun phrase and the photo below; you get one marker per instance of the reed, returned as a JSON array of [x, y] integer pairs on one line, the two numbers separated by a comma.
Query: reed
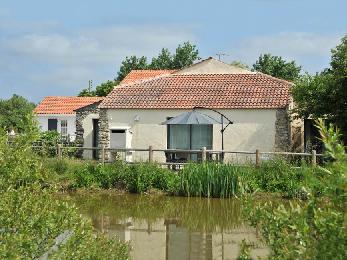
[[214, 180]]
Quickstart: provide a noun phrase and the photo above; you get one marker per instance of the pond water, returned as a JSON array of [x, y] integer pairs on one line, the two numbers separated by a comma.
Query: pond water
[[160, 227]]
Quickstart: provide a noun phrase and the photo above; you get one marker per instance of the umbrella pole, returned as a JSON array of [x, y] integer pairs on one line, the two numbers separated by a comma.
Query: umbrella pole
[[222, 131]]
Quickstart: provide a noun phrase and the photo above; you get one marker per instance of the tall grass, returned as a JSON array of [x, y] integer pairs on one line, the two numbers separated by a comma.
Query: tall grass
[[213, 180]]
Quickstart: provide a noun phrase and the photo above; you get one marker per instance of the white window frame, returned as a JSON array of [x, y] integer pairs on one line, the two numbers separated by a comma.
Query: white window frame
[[64, 128]]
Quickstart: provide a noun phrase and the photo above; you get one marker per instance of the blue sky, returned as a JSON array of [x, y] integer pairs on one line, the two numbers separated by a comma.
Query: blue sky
[[55, 47]]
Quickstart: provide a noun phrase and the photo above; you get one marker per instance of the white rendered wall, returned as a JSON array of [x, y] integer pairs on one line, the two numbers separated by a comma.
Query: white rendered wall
[[71, 123], [252, 129]]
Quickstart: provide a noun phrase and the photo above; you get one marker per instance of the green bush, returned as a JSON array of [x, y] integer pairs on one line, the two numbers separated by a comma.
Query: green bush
[[315, 229], [145, 176], [137, 178], [31, 219]]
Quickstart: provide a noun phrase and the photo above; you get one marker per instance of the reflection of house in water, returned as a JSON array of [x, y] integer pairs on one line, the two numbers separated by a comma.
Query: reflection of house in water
[[167, 239]]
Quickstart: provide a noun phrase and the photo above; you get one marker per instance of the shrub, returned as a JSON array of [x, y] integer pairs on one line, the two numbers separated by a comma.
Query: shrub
[[316, 229], [145, 176], [31, 219]]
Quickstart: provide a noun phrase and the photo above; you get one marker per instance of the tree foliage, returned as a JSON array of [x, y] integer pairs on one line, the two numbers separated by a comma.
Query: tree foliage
[[277, 67], [131, 63], [325, 94], [101, 90], [184, 56], [164, 60], [239, 64], [13, 112]]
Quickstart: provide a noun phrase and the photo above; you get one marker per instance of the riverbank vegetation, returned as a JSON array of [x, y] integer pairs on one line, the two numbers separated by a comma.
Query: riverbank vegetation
[[315, 229], [210, 179], [33, 223]]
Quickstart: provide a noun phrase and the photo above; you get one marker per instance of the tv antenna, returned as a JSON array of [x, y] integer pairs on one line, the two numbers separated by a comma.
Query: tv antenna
[[90, 85], [220, 54]]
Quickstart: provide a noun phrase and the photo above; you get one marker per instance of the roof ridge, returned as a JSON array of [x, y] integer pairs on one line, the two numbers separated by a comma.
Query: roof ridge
[[272, 77], [71, 97], [144, 80]]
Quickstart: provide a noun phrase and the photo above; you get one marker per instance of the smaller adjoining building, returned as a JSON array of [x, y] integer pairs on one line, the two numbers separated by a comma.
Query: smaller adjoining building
[[57, 113]]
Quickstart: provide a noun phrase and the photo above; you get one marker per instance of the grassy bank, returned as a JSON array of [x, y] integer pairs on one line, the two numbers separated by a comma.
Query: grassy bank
[[197, 180]]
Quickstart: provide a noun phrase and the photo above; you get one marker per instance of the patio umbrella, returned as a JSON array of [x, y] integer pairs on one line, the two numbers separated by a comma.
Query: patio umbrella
[[192, 118]]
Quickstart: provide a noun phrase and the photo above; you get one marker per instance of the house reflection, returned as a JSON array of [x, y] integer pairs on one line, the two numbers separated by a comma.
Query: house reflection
[[168, 239]]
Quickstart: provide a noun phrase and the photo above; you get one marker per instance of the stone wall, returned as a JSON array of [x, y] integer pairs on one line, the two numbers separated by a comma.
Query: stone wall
[[104, 132], [282, 131], [81, 114]]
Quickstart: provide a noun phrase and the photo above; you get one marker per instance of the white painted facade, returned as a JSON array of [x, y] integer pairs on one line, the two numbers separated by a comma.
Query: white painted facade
[[252, 129], [70, 118]]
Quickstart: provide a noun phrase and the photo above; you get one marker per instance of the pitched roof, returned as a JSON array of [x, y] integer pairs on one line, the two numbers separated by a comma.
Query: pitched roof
[[213, 66], [177, 91], [64, 105], [138, 75]]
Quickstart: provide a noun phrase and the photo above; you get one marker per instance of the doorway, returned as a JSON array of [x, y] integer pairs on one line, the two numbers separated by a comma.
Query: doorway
[[95, 141]]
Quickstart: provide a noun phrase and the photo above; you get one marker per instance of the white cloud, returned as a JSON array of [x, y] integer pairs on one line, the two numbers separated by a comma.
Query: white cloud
[[62, 63], [97, 46], [305, 48]]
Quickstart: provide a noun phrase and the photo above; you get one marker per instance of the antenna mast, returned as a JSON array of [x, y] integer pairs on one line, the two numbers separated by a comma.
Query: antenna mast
[[220, 54]]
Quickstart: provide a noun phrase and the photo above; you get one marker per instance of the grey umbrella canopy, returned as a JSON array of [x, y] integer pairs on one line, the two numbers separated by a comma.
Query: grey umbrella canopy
[[192, 118]]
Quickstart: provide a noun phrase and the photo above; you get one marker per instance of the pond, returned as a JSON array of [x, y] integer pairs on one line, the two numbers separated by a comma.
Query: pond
[[161, 227]]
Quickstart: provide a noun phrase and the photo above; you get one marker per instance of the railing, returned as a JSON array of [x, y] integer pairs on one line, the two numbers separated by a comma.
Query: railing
[[160, 156]]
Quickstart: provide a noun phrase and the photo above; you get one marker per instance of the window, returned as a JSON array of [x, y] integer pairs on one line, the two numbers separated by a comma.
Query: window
[[192, 137], [52, 124], [63, 128]]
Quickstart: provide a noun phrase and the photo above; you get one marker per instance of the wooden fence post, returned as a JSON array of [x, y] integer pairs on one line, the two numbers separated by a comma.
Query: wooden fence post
[[103, 154], [257, 158], [59, 152], [314, 158], [203, 154], [150, 154]]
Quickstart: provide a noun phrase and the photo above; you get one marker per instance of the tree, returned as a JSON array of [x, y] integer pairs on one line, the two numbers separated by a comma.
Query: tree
[[86, 93], [163, 61], [13, 112], [101, 91], [185, 56], [131, 63], [277, 67], [105, 88], [325, 94], [239, 64]]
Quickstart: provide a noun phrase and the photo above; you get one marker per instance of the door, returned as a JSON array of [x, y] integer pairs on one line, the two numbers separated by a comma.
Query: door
[[95, 141], [52, 124], [118, 141]]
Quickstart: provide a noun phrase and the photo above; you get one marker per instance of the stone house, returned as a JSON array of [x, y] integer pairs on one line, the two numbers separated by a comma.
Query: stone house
[[131, 116]]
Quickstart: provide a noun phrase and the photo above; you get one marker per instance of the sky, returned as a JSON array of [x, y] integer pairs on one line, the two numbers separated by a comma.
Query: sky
[[53, 48]]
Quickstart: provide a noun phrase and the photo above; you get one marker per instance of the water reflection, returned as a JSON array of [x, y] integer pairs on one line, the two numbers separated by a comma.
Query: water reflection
[[170, 227]]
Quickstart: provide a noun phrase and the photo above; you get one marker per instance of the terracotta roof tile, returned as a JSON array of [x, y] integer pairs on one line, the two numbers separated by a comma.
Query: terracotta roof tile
[[64, 105], [138, 75], [209, 90]]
